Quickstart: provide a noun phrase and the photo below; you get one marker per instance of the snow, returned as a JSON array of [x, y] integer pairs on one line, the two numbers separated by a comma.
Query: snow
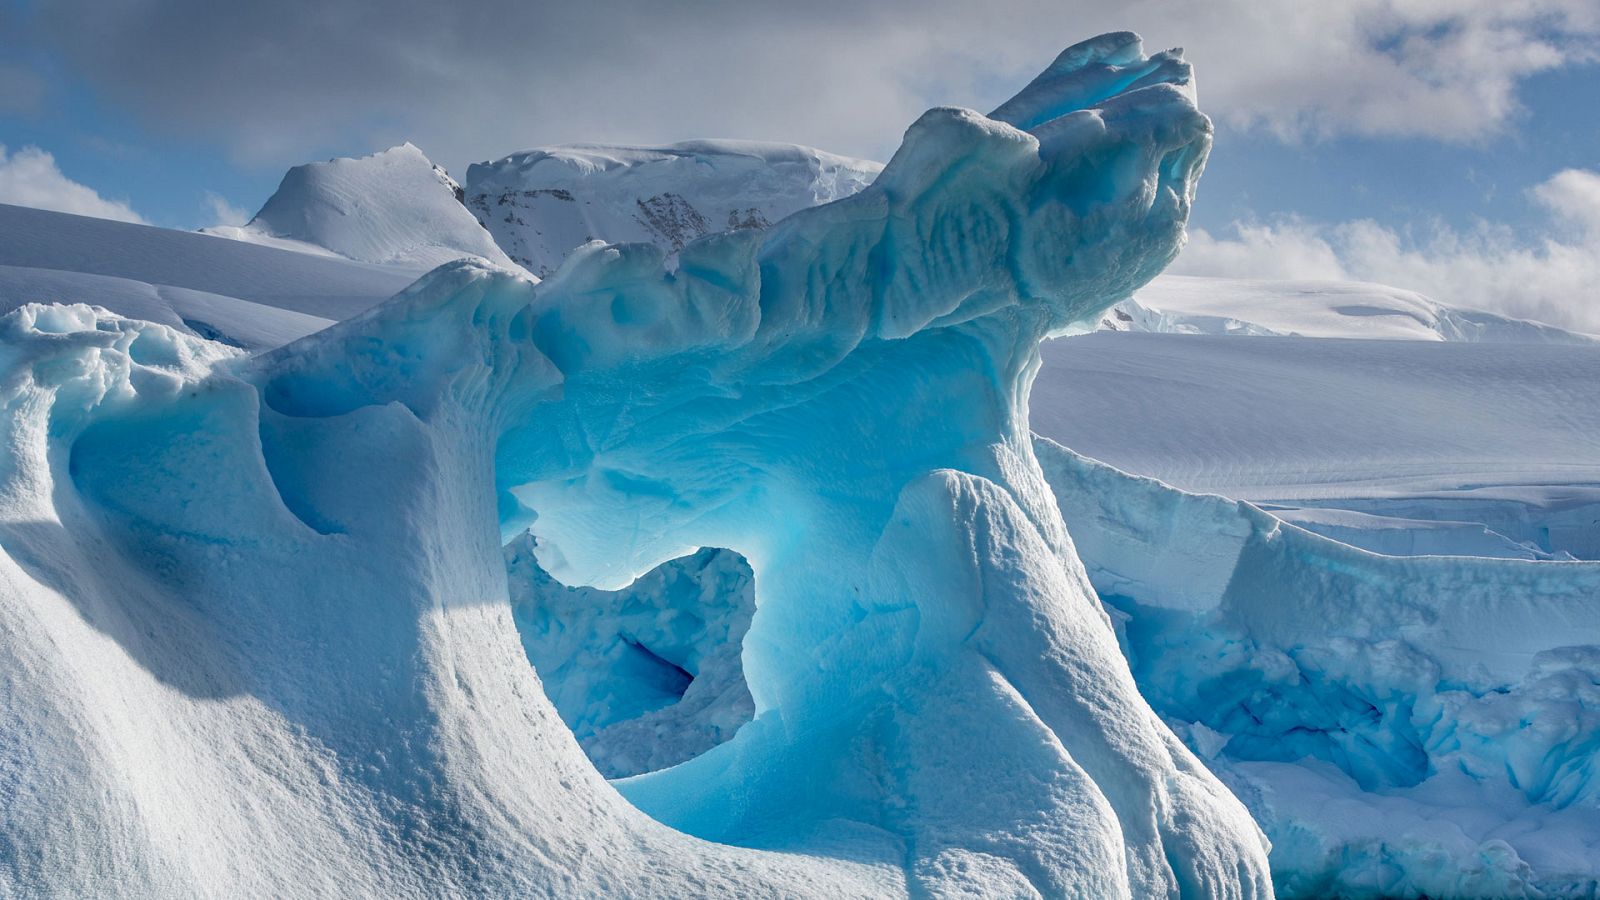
[[394, 208], [242, 323], [1463, 437], [1180, 304], [1276, 418], [258, 628], [297, 282], [542, 203]]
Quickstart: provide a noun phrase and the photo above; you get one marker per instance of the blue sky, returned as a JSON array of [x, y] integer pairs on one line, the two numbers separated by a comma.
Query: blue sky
[[1434, 123]]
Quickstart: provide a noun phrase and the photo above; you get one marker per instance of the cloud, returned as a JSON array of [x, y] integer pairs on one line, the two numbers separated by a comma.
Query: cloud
[[1552, 278], [1574, 195], [281, 82], [29, 177], [223, 212]]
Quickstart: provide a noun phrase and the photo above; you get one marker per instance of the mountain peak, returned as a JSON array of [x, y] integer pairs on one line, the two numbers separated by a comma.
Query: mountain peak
[[393, 207]]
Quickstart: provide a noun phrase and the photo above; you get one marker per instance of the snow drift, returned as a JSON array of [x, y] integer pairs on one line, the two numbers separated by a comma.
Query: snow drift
[[258, 631]]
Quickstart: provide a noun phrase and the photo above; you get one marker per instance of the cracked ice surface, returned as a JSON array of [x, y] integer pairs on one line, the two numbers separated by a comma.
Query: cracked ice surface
[[257, 620]]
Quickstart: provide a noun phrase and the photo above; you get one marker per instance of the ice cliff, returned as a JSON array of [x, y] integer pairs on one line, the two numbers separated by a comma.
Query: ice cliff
[[257, 619]]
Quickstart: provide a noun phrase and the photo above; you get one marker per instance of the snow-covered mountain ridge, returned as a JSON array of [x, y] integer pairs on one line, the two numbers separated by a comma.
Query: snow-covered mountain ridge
[[541, 203]]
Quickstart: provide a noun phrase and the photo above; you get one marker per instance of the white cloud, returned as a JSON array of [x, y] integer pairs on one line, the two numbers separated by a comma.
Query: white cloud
[[223, 212], [497, 76], [29, 177], [1553, 278], [1574, 195]]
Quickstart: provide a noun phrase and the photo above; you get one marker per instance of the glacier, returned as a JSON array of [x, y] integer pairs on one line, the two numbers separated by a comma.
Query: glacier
[[258, 620]]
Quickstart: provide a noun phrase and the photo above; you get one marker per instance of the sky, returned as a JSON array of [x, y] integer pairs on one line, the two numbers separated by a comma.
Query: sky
[[1447, 146]]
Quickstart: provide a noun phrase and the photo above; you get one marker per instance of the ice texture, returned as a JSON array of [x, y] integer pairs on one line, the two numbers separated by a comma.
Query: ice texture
[[258, 623], [1402, 727], [648, 676]]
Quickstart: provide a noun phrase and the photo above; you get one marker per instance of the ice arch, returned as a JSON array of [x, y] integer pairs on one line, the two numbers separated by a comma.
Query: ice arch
[[940, 703]]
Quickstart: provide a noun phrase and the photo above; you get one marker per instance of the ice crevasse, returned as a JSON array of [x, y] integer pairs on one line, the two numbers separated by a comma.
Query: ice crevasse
[[256, 622]]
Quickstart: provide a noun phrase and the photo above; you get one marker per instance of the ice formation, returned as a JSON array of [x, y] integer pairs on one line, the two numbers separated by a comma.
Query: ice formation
[[257, 620], [648, 676], [541, 204], [1422, 726], [394, 208]]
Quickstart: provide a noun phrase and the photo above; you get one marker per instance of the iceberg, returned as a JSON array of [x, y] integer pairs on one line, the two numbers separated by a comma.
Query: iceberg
[[257, 620]]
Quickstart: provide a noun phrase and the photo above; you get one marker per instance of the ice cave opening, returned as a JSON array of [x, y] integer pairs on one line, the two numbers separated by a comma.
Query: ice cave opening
[[648, 676]]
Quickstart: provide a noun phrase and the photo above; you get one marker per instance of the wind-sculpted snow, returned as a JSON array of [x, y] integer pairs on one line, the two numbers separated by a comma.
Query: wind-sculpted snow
[[1402, 727], [257, 609]]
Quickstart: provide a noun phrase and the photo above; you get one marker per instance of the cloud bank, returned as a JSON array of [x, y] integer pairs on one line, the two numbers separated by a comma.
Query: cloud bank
[[279, 83], [30, 177], [1554, 277]]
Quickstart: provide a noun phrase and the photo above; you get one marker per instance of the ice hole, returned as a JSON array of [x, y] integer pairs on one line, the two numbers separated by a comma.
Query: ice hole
[[646, 677]]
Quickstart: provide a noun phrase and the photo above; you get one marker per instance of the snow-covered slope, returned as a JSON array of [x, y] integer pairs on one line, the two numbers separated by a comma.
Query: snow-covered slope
[[1397, 446], [1275, 418], [394, 208], [541, 203], [242, 323], [313, 285], [1181, 304]]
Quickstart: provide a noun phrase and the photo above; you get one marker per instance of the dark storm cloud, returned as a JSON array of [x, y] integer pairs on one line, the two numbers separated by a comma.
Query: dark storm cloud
[[278, 81]]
